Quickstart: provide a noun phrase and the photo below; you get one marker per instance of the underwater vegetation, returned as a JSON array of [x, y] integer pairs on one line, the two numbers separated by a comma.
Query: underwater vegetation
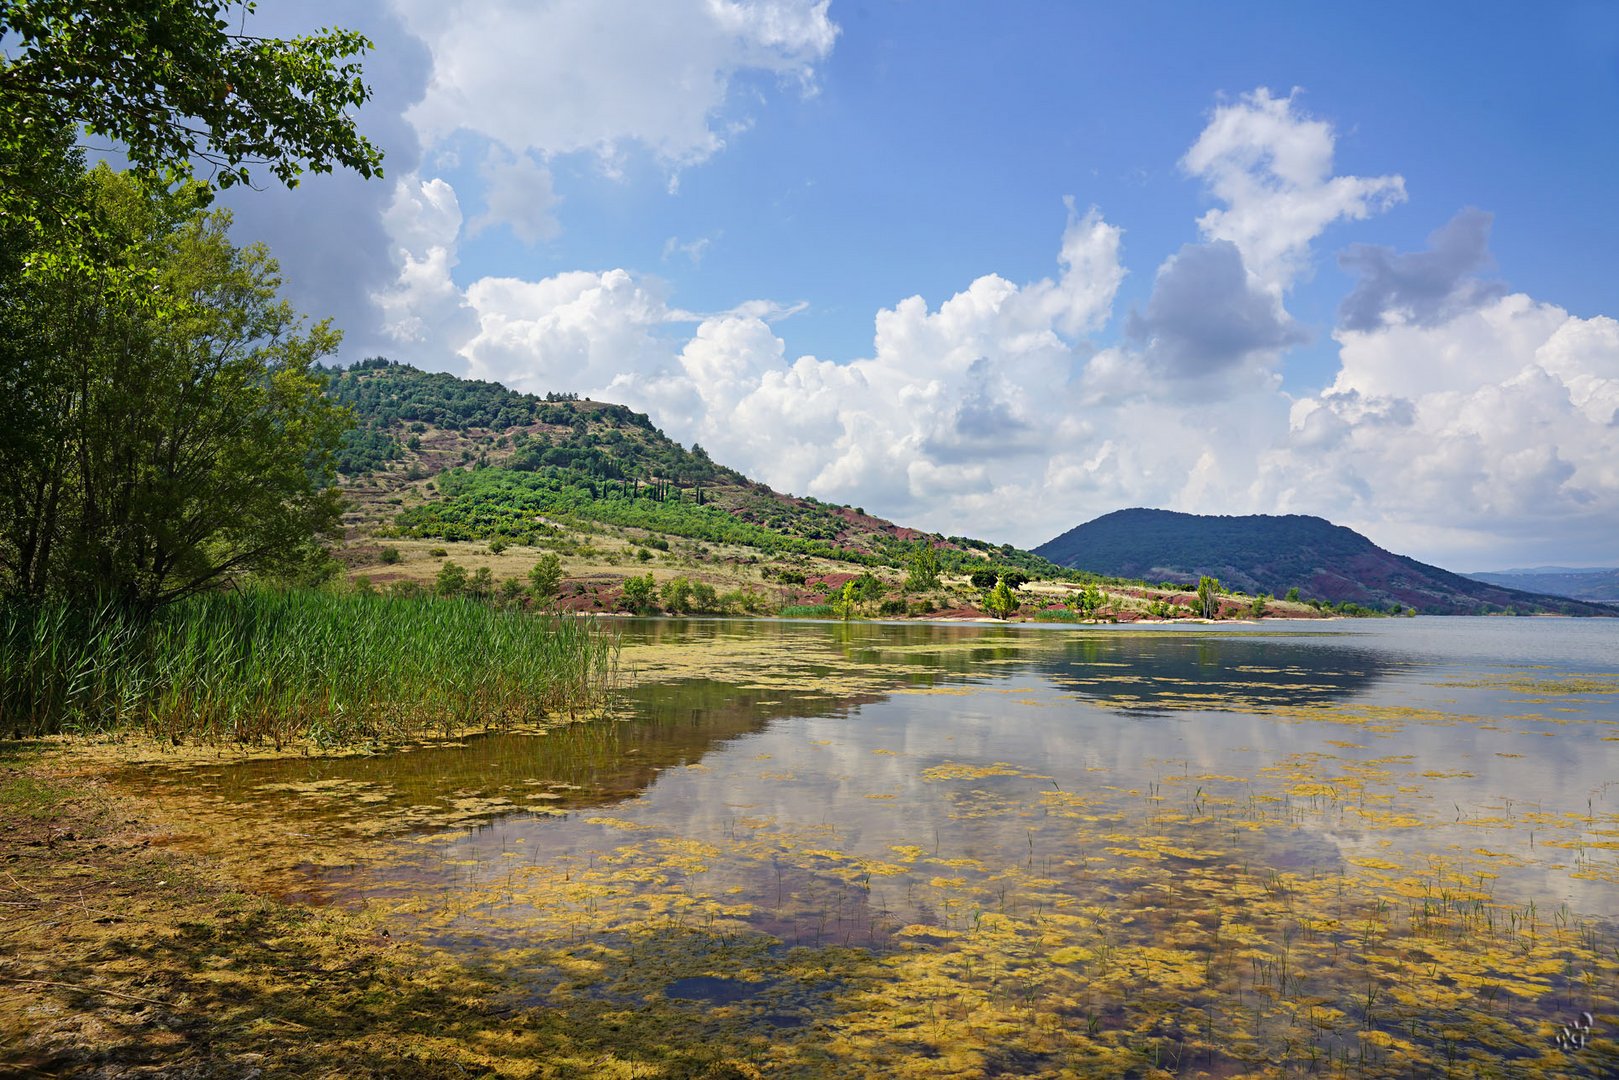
[[1029, 862]]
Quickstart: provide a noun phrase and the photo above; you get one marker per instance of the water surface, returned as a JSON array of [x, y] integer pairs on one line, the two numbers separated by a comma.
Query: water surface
[[1379, 847]]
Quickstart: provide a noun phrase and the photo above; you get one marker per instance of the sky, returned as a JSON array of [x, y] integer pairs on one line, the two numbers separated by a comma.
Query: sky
[[996, 270]]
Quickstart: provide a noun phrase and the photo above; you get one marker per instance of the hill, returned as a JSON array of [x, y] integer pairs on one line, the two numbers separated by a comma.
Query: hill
[[1272, 554], [435, 461], [1597, 586]]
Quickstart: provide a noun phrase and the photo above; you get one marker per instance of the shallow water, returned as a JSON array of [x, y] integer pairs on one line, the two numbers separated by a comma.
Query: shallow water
[[1379, 847]]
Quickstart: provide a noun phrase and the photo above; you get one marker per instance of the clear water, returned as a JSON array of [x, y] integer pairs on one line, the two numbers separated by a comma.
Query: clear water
[[1389, 846]]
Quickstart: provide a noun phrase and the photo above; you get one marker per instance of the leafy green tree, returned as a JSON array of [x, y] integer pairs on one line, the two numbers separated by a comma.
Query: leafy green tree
[[1257, 608], [640, 595], [164, 429], [1001, 602], [178, 83], [846, 604], [545, 579], [703, 598], [924, 568], [1087, 601], [482, 583], [676, 595], [1015, 579], [451, 580], [866, 587], [1208, 597], [1292, 595], [983, 579]]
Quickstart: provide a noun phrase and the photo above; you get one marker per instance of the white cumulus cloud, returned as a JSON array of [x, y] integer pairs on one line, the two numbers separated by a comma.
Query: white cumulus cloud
[[592, 75], [1272, 167]]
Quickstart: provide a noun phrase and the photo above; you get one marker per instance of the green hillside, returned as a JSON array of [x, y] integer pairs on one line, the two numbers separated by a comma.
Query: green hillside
[[436, 456]]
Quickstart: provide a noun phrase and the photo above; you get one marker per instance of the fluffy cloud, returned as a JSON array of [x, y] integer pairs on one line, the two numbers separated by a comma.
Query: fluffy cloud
[[1272, 167], [1205, 317], [1500, 423], [1424, 287], [593, 75]]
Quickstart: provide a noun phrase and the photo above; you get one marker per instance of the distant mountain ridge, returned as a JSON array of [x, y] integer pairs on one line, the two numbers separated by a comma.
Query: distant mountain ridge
[[1262, 553], [1597, 585]]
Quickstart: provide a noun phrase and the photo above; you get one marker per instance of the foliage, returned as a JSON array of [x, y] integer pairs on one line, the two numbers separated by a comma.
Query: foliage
[[501, 502], [640, 595], [1087, 601], [163, 429], [545, 579], [1256, 607], [389, 555], [1208, 597], [923, 568], [451, 580], [1014, 579], [1001, 602], [172, 82], [256, 665], [983, 579], [1292, 595], [676, 595]]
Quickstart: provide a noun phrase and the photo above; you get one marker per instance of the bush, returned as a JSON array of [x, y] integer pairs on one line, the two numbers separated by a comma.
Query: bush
[[437, 553], [497, 546], [640, 595], [389, 556], [983, 579], [452, 580]]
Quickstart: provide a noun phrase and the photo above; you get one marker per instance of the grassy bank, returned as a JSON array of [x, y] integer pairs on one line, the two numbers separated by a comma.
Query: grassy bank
[[269, 666]]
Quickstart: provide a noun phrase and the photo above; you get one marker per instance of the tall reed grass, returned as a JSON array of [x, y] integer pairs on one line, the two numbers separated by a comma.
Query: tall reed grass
[[261, 666]]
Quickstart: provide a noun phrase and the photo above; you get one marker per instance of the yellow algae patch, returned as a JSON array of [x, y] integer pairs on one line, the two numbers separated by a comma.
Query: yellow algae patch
[[617, 823], [959, 771]]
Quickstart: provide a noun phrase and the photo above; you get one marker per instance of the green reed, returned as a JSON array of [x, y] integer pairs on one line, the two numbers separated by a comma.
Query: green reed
[[274, 666]]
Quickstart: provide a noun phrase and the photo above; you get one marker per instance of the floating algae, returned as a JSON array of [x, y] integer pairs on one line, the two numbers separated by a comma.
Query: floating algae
[[1335, 862]]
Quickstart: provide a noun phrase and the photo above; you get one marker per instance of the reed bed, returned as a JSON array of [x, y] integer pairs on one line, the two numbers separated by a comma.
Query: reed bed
[[261, 666]]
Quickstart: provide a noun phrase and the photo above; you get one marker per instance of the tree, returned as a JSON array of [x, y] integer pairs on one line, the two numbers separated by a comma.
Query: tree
[[1208, 597], [1257, 607], [452, 579], [545, 579], [1000, 602], [640, 595], [983, 579], [1015, 579], [924, 568], [677, 595], [1087, 601], [1292, 595], [165, 429], [179, 83]]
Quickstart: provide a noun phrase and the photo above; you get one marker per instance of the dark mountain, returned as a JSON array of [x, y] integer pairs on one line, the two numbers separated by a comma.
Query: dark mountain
[[1270, 554], [1598, 586]]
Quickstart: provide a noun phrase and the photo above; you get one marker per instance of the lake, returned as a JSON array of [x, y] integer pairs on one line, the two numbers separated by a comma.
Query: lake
[[1369, 847]]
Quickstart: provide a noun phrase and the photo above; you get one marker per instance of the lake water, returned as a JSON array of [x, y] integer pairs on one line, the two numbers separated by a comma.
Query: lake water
[[1372, 847]]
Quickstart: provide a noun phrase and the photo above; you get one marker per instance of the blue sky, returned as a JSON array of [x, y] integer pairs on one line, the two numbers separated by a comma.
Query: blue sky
[[1166, 254]]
